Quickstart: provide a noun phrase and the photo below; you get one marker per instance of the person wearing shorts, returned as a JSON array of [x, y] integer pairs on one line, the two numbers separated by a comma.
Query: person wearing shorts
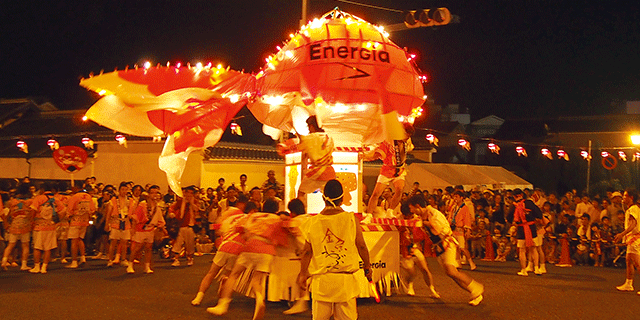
[[316, 158], [19, 218], [48, 211], [262, 231], [146, 217], [120, 225], [525, 215], [185, 209], [334, 246], [439, 226], [412, 242], [80, 208], [460, 221], [62, 227], [631, 236], [393, 170], [230, 247]]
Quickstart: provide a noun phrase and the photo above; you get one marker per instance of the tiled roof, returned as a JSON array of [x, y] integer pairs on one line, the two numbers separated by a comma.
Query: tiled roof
[[224, 150]]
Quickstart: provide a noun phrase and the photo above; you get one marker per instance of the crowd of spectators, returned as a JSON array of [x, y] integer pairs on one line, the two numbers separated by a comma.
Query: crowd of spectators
[[588, 222], [209, 203]]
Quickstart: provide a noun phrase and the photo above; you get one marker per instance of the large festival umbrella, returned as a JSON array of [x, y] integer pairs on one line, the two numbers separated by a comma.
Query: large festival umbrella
[[342, 69], [347, 72], [190, 105]]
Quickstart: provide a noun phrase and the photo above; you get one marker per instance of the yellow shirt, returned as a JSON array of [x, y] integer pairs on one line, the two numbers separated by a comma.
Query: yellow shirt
[[335, 256]]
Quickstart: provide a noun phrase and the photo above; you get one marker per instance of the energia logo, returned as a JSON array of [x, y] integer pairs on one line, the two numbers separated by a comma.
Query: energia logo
[[317, 52]]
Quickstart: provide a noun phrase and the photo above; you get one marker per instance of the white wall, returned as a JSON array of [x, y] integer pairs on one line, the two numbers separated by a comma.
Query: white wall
[[113, 164]]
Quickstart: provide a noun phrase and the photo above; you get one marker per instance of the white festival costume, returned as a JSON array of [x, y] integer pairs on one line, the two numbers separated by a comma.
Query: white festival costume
[[335, 256]]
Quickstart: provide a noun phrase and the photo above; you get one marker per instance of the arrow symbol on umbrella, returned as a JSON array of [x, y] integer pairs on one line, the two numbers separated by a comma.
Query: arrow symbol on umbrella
[[361, 73]]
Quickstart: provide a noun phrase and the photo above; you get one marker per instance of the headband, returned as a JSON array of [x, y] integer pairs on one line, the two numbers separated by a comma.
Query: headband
[[331, 200]]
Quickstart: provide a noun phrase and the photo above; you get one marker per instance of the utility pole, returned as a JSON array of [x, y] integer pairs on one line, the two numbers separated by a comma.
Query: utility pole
[[589, 167], [303, 21]]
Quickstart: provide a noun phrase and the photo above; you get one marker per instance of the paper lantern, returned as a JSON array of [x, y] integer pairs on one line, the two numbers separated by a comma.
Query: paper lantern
[[22, 146], [122, 140], [464, 144], [87, 142], [494, 148], [585, 155], [432, 139], [562, 154], [53, 144], [622, 155], [235, 128]]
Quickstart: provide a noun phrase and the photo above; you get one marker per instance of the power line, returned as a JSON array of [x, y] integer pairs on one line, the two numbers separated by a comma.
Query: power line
[[370, 6]]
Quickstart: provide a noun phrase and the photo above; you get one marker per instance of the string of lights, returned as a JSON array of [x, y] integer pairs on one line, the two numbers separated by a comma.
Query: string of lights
[[493, 145]]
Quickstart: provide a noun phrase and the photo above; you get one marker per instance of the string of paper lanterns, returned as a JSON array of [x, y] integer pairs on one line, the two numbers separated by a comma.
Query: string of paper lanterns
[[545, 150]]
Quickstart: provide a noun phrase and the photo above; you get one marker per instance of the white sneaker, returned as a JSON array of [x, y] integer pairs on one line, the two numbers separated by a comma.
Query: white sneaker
[[221, 308], [198, 299], [523, 273], [130, 268], [434, 293], [537, 271], [35, 269], [64, 261], [73, 265], [476, 301], [299, 307], [625, 287], [476, 291], [543, 269], [176, 263], [410, 290], [529, 267]]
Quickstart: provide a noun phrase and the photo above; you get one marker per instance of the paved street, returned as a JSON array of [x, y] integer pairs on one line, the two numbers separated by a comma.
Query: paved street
[[95, 292]]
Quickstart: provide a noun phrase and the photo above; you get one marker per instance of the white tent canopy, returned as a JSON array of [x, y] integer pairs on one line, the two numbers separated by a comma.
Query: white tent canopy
[[440, 175]]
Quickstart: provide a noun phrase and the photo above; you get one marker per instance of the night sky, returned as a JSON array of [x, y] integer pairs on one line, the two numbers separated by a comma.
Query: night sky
[[518, 58]]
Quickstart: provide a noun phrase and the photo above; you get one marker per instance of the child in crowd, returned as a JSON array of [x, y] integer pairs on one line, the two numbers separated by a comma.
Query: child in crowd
[[581, 255], [478, 233], [501, 243], [606, 238], [596, 246]]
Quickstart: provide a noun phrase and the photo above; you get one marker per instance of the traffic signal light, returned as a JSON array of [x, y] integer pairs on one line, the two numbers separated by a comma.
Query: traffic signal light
[[427, 17]]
